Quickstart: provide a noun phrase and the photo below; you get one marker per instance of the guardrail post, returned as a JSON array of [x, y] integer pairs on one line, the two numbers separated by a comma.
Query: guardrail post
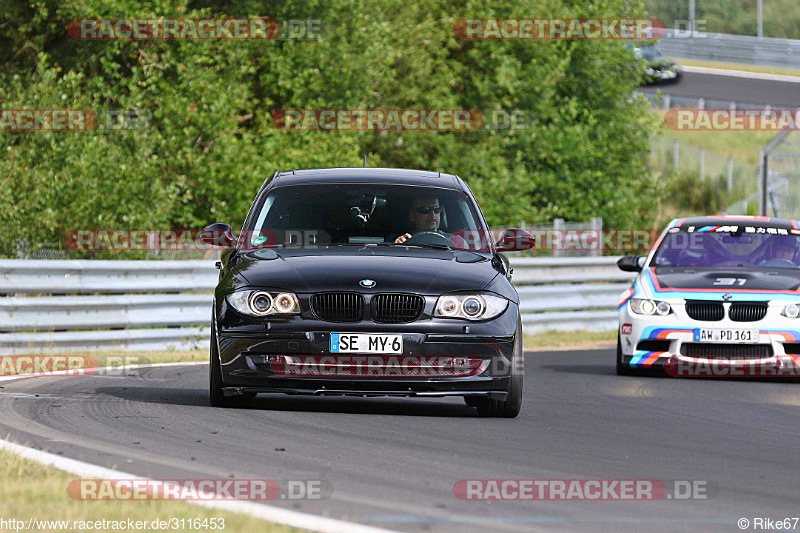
[[558, 226], [730, 174], [597, 226], [760, 7]]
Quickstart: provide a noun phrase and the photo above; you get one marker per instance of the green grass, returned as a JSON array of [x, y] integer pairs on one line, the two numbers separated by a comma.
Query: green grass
[[737, 66], [567, 339], [742, 146], [31, 490]]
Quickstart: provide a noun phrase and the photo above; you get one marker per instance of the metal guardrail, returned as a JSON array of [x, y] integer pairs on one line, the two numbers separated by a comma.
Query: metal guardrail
[[72, 305], [101, 313], [569, 294], [732, 48]]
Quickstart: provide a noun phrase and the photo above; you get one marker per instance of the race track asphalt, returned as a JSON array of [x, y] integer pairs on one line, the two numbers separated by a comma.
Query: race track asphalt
[[393, 463], [782, 94]]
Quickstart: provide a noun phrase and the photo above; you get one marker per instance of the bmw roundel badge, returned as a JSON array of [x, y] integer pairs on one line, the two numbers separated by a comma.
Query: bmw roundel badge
[[367, 283]]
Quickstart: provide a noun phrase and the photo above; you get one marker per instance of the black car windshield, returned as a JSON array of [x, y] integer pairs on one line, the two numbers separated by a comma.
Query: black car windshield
[[648, 52], [746, 246], [363, 214]]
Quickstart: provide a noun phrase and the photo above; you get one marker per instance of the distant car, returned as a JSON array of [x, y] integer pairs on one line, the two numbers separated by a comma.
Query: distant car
[[659, 69], [714, 293], [367, 282]]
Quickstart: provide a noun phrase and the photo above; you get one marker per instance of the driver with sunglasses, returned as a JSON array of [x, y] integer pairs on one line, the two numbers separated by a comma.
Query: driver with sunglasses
[[426, 215]]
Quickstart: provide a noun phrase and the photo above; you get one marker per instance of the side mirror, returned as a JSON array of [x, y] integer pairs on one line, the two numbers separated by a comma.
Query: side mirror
[[631, 263], [218, 234], [515, 240]]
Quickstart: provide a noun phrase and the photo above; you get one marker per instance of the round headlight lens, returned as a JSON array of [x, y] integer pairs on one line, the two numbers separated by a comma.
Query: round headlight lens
[[472, 306], [647, 307], [662, 308], [284, 303], [448, 306], [792, 311], [261, 302]]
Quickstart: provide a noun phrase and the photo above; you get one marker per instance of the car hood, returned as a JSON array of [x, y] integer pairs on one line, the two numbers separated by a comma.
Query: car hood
[[422, 271], [724, 280]]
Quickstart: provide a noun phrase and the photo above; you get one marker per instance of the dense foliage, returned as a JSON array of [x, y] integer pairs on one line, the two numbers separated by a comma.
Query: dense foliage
[[210, 142], [739, 17]]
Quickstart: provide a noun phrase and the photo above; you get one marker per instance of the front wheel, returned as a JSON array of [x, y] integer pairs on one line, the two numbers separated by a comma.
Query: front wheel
[[215, 395], [511, 406], [622, 368]]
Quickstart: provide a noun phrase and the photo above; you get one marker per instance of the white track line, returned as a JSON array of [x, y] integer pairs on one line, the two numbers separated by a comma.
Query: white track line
[[742, 74], [270, 513]]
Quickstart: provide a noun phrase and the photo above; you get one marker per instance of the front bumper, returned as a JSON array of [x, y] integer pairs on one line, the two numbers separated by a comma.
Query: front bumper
[[437, 359], [668, 344]]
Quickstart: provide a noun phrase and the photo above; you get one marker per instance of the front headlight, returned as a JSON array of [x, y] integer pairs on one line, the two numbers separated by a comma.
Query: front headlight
[[650, 307], [470, 306], [791, 311], [262, 303]]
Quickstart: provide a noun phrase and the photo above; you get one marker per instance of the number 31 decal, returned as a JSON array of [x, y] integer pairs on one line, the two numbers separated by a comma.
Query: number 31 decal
[[730, 281]]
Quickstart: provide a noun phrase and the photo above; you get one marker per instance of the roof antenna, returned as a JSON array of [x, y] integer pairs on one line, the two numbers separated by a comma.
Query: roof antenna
[[365, 160]]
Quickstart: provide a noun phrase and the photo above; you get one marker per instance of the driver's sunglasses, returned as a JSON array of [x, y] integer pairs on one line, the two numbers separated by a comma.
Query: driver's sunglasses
[[426, 210]]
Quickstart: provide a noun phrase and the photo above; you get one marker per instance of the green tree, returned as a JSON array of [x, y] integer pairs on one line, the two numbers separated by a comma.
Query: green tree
[[210, 141]]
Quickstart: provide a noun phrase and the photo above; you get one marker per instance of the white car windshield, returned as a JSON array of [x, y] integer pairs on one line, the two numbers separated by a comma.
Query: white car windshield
[[761, 247]]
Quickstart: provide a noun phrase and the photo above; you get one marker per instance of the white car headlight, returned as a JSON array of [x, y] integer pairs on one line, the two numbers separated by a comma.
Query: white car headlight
[[791, 311], [650, 307], [470, 306], [262, 303]]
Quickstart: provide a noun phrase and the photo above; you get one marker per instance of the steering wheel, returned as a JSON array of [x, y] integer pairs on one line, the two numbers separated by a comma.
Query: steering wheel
[[779, 262], [429, 237]]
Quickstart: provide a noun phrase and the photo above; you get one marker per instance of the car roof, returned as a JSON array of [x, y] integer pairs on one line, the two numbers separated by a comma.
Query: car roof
[[725, 220], [399, 176]]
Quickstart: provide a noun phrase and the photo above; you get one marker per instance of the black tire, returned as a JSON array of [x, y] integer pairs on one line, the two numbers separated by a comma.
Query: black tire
[[511, 406], [622, 368], [215, 394]]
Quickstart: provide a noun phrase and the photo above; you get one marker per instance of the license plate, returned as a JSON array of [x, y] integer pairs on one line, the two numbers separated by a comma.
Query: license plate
[[366, 343], [744, 336]]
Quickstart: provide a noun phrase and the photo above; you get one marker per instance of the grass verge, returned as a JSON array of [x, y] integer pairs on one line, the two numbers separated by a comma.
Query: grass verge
[[31, 490], [742, 146], [723, 65], [54, 362]]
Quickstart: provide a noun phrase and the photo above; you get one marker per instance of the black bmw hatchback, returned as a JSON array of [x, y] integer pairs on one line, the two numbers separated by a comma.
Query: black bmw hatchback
[[366, 282]]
